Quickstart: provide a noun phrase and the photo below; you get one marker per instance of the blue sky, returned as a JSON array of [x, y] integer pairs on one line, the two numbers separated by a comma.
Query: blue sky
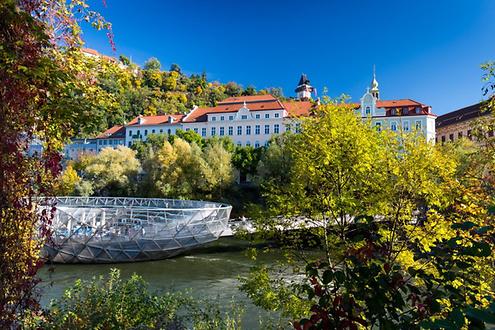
[[427, 50]]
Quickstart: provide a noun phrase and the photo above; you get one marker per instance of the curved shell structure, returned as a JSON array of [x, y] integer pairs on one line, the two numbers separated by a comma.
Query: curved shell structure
[[113, 229]]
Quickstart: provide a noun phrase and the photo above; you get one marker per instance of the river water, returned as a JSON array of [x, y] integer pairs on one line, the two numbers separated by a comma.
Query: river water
[[210, 272]]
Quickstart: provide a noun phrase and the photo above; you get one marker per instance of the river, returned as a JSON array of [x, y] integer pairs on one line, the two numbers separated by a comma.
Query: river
[[210, 272]]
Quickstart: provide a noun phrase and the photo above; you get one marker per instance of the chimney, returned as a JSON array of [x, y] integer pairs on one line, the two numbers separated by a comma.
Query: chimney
[[140, 120]]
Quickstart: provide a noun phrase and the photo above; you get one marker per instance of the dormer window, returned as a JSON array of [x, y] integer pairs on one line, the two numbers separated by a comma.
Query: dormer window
[[418, 110], [405, 111], [244, 117], [393, 112]]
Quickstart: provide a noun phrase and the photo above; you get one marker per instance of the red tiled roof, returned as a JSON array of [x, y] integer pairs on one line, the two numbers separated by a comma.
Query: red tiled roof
[[299, 108], [116, 132], [156, 120], [233, 104], [251, 98], [96, 53]]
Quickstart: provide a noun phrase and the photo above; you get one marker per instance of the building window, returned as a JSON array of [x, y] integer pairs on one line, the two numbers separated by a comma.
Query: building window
[[418, 125], [239, 130], [393, 126], [138, 134], [169, 131], [188, 129], [378, 126], [222, 131], [256, 144], [257, 116], [287, 128], [145, 132], [239, 144], [129, 144], [276, 128], [393, 112], [405, 111], [222, 118], [203, 131], [195, 130], [418, 110], [213, 118], [152, 131], [213, 131], [443, 138], [231, 130], [100, 142], [231, 117], [266, 144], [161, 131], [248, 144], [257, 129], [267, 129], [368, 110], [451, 137], [277, 115], [459, 135], [470, 137], [244, 117], [405, 126], [248, 130], [130, 133], [298, 128], [267, 115]]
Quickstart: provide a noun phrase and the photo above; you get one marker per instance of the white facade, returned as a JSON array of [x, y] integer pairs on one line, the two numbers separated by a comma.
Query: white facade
[[400, 115], [244, 127]]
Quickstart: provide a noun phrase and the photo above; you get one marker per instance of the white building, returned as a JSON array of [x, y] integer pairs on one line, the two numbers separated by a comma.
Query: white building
[[404, 115], [253, 120], [247, 120], [140, 127], [112, 137], [78, 147]]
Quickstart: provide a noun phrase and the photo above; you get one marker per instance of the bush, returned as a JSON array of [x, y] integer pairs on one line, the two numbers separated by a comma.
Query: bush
[[113, 303]]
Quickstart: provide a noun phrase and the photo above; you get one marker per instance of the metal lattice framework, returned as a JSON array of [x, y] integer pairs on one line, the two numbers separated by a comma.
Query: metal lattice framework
[[114, 229]]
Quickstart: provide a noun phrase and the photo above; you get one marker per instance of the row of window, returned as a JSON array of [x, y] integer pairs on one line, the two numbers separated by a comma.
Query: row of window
[[244, 117], [395, 111], [248, 144], [153, 131], [109, 142], [394, 126], [460, 135], [240, 130]]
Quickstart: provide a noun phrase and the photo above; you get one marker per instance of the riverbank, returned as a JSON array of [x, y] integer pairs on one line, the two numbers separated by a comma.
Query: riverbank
[[210, 272]]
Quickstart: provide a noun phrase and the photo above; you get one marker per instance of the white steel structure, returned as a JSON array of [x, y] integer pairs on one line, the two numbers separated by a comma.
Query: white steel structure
[[114, 229]]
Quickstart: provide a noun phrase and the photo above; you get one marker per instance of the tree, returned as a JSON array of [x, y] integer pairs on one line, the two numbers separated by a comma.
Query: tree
[[33, 105], [245, 159], [152, 64], [112, 172], [401, 236], [219, 174], [67, 182], [233, 89]]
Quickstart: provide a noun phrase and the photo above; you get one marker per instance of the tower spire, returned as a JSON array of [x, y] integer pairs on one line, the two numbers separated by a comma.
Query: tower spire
[[374, 85]]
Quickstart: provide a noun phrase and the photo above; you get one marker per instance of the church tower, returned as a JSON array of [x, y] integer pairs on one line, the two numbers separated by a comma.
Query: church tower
[[374, 86], [304, 89]]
